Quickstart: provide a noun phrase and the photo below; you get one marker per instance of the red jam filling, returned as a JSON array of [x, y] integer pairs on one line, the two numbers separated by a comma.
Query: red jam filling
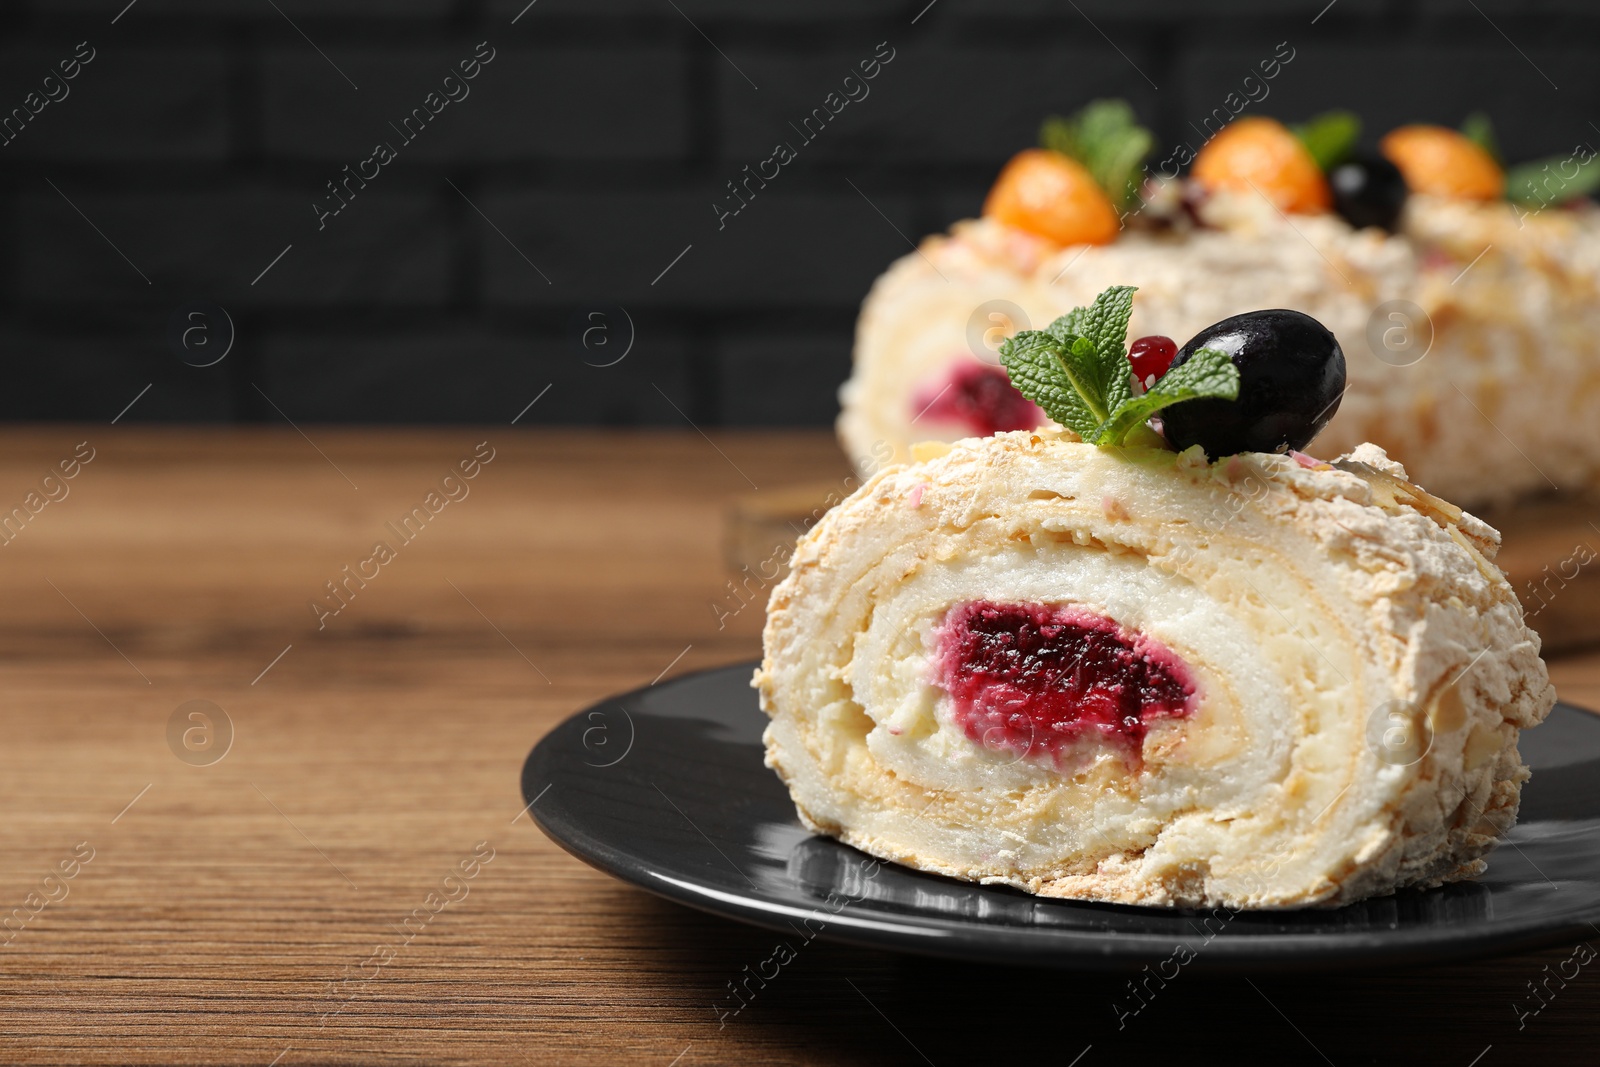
[[978, 398], [1037, 679]]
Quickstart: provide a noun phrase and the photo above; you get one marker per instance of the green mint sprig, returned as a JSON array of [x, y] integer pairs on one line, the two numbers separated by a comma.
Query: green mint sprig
[[1330, 137], [1077, 370], [1539, 182], [1478, 128], [1107, 139], [1543, 182]]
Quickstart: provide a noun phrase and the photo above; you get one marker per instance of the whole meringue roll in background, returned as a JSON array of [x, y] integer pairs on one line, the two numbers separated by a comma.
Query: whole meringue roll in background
[[1477, 320]]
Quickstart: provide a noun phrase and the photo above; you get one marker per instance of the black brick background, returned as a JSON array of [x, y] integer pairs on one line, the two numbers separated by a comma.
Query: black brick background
[[586, 157]]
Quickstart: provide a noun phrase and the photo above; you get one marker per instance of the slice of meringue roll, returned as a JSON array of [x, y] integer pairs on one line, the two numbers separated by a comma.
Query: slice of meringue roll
[[1135, 676]]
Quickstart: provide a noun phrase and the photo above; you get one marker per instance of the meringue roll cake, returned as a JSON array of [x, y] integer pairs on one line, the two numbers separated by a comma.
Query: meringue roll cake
[[1078, 661], [1467, 297]]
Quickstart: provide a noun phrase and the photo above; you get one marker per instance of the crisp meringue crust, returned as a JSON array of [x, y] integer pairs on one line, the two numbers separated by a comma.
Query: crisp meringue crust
[[1308, 603]]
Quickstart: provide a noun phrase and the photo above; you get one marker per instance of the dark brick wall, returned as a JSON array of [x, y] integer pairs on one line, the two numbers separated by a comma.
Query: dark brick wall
[[584, 161]]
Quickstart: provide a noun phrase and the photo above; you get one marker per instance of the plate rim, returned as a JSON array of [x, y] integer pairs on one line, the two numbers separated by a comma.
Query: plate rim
[[1050, 948]]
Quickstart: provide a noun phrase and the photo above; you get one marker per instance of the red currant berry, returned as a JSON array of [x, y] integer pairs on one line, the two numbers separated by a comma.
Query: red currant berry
[[1151, 356]]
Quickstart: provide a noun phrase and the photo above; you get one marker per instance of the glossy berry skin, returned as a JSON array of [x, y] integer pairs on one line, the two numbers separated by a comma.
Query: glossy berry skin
[[1151, 357], [1291, 378], [1368, 191]]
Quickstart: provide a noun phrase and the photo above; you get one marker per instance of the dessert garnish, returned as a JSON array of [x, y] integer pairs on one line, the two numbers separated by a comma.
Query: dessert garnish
[[1556, 180], [1440, 161], [1052, 196], [1330, 137], [1478, 128], [1258, 154], [1291, 379], [1264, 381], [1077, 370], [1107, 139], [1151, 358], [1368, 191], [1073, 189], [1541, 183], [1077, 187]]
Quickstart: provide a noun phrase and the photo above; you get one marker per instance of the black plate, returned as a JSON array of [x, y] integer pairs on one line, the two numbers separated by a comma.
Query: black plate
[[664, 788]]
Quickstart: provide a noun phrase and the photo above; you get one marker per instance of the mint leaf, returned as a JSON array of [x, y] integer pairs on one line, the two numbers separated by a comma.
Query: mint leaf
[[1207, 373], [1095, 337], [1060, 135], [1036, 362], [1330, 137], [1077, 368], [1554, 180], [1479, 129], [1105, 324], [1068, 327], [1115, 147], [1106, 138], [1079, 364]]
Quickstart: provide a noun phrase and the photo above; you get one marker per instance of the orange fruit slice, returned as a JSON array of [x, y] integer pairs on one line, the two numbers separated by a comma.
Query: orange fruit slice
[[1261, 155], [1053, 196], [1442, 162]]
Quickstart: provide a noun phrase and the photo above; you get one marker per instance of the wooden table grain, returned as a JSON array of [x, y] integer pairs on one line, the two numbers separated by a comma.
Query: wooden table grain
[[261, 907]]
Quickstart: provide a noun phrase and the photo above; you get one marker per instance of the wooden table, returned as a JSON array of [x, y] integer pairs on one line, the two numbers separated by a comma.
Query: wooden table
[[233, 908]]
